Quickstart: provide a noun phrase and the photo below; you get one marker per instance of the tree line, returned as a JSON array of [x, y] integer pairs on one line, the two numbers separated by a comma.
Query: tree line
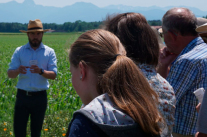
[[205, 16], [77, 26]]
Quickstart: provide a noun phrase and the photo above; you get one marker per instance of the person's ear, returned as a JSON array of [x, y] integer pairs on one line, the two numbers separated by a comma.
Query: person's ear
[[82, 66], [173, 35], [28, 34]]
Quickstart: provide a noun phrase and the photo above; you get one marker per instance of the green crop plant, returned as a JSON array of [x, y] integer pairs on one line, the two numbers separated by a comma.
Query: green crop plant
[[62, 98]]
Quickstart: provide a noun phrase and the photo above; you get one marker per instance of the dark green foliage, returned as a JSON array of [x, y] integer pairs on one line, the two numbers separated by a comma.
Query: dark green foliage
[[155, 23], [205, 16], [77, 26]]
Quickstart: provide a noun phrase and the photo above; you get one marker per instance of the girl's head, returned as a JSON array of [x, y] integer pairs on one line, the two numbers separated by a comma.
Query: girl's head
[[99, 65], [136, 35], [90, 57]]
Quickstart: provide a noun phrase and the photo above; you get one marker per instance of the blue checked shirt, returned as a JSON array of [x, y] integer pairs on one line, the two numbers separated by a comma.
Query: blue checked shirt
[[188, 73], [46, 59]]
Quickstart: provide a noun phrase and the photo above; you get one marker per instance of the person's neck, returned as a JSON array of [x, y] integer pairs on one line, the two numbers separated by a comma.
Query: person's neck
[[34, 48], [92, 96], [184, 41]]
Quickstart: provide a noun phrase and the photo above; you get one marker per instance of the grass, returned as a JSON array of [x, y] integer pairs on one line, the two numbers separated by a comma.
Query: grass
[[62, 98]]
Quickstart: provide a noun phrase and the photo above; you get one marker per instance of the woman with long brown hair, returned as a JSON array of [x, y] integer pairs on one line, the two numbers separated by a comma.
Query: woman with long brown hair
[[142, 46], [117, 98]]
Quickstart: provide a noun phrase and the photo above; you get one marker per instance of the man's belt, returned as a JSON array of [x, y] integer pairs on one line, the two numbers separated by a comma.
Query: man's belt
[[32, 93]]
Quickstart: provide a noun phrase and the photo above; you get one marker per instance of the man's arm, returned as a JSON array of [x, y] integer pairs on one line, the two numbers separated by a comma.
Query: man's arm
[[13, 73], [198, 134], [165, 60], [51, 72], [15, 66], [163, 70], [47, 74], [202, 119], [198, 107], [16, 72]]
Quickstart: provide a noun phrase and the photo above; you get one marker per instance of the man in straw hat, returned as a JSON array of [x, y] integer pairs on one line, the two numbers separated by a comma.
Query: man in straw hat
[[185, 55], [34, 63]]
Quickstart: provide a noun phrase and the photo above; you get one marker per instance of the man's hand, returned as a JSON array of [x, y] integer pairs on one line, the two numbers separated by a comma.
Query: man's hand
[[166, 57], [22, 69], [35, 69], [16, 72], [165, 60], [200, 135], [198, 107]]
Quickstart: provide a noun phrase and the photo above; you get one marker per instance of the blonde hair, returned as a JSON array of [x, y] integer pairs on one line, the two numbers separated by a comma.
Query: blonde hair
[[118, 76]]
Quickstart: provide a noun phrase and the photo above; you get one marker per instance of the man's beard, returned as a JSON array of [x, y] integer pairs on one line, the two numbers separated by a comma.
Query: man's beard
[[35, 42]]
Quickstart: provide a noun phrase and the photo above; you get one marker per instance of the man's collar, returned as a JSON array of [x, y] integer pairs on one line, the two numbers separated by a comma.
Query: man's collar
[[28, 46], [192, 44], [41, 46]]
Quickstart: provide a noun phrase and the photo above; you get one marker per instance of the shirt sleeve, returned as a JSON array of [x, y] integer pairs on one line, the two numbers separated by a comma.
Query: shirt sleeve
[[52, 64], [182, 76], [82, 127], [202, 116], [15, 61]]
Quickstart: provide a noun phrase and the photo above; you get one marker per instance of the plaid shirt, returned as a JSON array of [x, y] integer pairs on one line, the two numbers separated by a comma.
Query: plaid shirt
[[188, 73]]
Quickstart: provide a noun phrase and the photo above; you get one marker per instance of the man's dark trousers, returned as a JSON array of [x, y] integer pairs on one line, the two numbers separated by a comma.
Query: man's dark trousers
[[33, 106]]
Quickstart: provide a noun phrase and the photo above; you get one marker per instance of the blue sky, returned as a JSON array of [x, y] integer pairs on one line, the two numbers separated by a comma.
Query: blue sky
[[200, 4]]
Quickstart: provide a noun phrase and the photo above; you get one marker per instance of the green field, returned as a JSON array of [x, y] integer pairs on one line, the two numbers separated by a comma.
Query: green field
[[62, 99]]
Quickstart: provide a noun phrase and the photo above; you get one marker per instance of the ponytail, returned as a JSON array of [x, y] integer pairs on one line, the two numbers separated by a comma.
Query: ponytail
[[130, 91], [118, 76]]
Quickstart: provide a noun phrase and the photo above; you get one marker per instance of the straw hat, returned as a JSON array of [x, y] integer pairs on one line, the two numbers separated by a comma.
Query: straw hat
[[201, 21], [160, 30], [34, 25], [202, 28]]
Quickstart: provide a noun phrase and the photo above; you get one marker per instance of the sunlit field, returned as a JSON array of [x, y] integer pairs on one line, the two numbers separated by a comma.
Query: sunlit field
[[62, 99]]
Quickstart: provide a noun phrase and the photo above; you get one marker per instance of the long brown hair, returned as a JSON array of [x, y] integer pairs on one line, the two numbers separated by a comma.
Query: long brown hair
[[136, 35], [118, 76]]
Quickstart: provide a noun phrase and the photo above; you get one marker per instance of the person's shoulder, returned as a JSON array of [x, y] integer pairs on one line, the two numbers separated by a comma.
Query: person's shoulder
[[169, 94], [21, 47], [81, 118], [164, 81], [48, 48], [83, 126], [194, 57], [198, 52]]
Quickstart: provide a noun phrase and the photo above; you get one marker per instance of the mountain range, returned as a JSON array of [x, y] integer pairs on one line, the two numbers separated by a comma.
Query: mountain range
[[22, 12]]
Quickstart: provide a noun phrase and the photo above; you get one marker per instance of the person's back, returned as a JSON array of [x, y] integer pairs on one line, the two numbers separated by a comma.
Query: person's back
[[166, 95], [117, 98], [142, 46], [202, 113], [185, 55], [101, 117], [195, 63]]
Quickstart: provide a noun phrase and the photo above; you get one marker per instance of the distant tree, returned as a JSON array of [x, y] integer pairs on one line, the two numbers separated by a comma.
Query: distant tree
[[205, 16], [155, 22], [65, 27]]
